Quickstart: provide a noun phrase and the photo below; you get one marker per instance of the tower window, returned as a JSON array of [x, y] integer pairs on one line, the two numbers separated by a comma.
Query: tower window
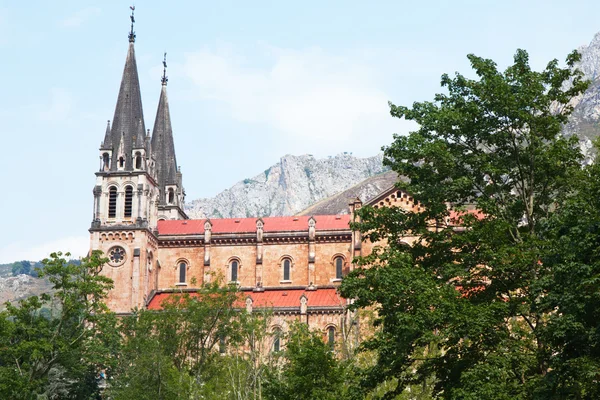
[[331, 337], [171, 196], [182, 271], [339, 267], [105, 162], [138, 160], [112, 202], [121, 162], [287, 267], [234, 266], [128, 201]]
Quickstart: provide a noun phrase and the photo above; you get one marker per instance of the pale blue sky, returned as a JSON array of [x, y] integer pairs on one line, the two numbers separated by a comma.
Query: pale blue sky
[[248, 83]]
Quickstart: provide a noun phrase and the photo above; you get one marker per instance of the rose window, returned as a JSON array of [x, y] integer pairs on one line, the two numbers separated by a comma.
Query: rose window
[[117, 256]]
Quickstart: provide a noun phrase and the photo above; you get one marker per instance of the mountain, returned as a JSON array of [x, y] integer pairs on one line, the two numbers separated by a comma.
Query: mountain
[[365, 190], [304, 184], [13, 288], [585, 119], [288, 187]]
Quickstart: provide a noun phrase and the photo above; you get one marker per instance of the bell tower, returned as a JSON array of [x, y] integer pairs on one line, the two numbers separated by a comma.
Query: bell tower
[[171, 195], [126, 196]]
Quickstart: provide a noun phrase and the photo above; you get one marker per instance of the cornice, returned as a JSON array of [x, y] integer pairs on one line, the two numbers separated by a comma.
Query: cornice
[[244, 239]]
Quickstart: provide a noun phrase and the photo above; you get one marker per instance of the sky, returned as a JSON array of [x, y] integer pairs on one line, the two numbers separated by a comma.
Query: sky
[[249, 82]]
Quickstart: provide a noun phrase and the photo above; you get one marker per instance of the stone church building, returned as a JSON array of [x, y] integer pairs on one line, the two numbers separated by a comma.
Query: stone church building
[[292, 265]]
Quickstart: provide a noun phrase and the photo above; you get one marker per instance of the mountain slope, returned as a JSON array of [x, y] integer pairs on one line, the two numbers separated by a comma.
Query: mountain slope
[[365, 190], [585, 119], [288, 187]]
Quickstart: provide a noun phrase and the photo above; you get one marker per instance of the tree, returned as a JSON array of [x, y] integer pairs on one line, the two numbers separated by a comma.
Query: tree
[[174, 353], [59, 354], [21, 267], [489, 167], [310, 369], [572, 288], [249, 355]]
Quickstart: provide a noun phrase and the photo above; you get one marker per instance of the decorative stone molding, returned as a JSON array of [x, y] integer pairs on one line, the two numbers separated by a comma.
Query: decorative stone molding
[[303, 304], [249, 302]]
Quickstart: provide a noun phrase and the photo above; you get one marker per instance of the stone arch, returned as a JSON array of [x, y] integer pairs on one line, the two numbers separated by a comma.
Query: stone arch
[[234, 265]]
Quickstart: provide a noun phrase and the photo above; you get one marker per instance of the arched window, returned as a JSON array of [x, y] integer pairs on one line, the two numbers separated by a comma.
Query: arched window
[[112, 202], [138, 160], [121, 162], [128, 201], [182, 271], [234, 267], [331, 337], [276, 340], [287, 269], [105, 162], [222, 344], [171, 196], [339, 267]]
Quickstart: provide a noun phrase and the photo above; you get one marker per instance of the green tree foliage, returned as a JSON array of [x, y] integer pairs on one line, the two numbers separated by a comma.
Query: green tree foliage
[[58, 354], [310, 369], [21, 267], [572, 289], [478, 284], [175, 353], [25, 267]]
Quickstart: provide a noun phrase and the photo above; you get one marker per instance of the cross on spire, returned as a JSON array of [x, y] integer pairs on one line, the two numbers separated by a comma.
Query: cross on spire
[[131, 32], [164, 78]]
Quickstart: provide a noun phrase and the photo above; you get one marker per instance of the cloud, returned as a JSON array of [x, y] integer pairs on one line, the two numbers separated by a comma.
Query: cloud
[[59, 109], [78, 246], [78, 18], [303, 94]]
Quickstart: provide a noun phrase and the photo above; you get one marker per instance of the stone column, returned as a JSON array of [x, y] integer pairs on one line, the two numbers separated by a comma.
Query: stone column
[[356, 246], [120, 204], [311, 251], [259, 252], [97, 198], [135, 279], [207, 245], [140, 193]]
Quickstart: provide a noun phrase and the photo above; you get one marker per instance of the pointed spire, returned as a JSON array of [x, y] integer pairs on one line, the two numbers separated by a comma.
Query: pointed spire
[[129, 116], [120, 153], [163, 147], [107, 142], [140, 136]]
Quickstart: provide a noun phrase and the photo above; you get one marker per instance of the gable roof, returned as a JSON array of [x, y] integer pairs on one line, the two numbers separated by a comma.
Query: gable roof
[[248, 225], [269, 298]]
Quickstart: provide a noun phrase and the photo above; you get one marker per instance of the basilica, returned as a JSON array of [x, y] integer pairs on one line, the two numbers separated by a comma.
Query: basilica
[[290, 264]]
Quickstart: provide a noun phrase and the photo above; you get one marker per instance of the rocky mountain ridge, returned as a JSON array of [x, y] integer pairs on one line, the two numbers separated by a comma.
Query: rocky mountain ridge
[[585, 119], [301, 184], [288, 187]]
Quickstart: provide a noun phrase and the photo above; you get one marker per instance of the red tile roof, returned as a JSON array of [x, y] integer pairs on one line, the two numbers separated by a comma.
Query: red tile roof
[[455, 217], [291, 298], [248, 225], [326, 297]]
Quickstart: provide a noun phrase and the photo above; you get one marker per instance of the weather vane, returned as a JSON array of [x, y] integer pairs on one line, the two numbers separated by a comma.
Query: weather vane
[[132, 33], [164, 78]]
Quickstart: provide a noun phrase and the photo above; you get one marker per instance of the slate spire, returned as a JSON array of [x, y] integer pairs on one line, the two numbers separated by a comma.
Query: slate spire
[[140, 136], [128, 121], [107, 142], [163, 147]]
